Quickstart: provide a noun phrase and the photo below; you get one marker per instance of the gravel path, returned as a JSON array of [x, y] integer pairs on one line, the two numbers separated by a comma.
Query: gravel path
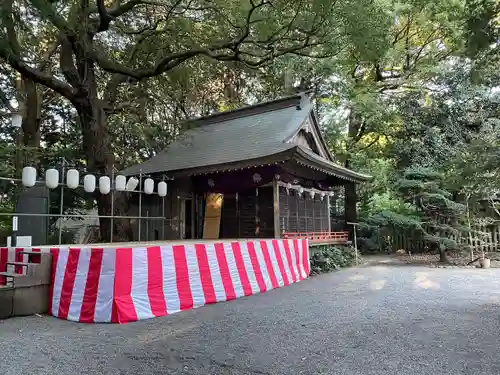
[[373, 320]]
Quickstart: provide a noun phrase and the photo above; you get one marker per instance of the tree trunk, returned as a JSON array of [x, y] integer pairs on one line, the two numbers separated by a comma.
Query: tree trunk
[[100, 160], [443, 258]]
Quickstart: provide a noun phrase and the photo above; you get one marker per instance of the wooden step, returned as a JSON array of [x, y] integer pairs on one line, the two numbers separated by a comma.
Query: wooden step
[[31, 252], [11, 274], [20, 263]]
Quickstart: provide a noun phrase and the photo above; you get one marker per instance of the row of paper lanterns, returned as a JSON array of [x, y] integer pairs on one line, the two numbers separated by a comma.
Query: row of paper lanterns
[[89, 182]]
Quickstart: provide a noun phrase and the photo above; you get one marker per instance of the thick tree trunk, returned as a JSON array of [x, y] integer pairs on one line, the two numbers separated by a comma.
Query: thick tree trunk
[[31, 118], [100, 160], [443, 257]]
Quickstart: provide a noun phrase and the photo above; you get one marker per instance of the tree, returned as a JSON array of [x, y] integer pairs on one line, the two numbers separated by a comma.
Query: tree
[[104, 50], [441, 217]]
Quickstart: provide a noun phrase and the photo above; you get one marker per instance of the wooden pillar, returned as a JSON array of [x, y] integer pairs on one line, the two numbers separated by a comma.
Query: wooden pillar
[[276, 208], [193, 215], [350, 200], [328, 212]]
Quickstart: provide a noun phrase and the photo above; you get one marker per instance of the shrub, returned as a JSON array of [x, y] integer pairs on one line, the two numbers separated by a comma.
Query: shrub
[[328, 258]]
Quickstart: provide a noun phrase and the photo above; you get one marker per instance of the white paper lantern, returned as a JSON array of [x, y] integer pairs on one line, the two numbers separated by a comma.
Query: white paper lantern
[[331, 194], [312, 193], [322, 195], [132, 184], [52, 178], [301, 190], [104, 185], [89, 183], [162, 188], [17, 120], [289, 186], [149, 186], [72, 179], [29, 176], [120, 183]]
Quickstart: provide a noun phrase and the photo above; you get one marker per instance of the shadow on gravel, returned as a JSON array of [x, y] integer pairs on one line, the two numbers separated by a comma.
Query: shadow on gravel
[[370, 261]]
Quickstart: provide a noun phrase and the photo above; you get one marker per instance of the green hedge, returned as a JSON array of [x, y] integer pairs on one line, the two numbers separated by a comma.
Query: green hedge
[[328, 258]]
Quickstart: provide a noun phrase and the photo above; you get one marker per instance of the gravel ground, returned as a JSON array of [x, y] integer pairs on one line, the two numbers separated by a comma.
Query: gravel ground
[[372, 320]]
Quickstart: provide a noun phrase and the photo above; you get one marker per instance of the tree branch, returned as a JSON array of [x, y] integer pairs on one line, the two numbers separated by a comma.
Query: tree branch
[[105, 18], [36, 75], [66, 64], [47, 11]]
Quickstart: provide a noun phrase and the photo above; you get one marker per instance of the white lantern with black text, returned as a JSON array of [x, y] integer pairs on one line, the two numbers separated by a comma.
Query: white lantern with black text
[[120, 183], [104, 185], [72, 178], [29, 176], [149, 186], [312, 193], [132, 184], [162, 188], [52, 178], [89, 183], [301, 190]]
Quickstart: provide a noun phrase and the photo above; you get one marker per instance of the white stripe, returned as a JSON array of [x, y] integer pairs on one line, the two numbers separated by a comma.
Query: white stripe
[[139, 290], [194, 276], [301, 266], [62, 260], [233, 270], [105, 290], [294, 260], [285, 261], [274, 262], [213, 263], [11, 257], [263, 267], [249, 268], [170, 280], [82, 271]]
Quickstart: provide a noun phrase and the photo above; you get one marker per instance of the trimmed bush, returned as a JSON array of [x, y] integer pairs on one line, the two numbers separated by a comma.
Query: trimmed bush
[[328, 258]]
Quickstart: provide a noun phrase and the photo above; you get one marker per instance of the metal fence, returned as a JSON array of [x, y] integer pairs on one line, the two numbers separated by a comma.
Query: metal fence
[[70, 216]]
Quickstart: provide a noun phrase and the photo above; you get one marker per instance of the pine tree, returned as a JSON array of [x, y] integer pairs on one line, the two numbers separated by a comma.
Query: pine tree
[[440, 216]]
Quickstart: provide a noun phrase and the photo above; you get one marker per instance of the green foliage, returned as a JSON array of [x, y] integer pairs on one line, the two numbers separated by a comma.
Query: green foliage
[[328, 258]]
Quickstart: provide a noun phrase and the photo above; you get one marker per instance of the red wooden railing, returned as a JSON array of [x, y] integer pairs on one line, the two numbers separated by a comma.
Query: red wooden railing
[[321, 237]]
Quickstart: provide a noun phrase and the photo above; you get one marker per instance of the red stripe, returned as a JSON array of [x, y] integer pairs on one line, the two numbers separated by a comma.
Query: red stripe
[[68, 283], [298, 261], [305, 256], [91, 287], [155, 282], [55, 258], [224, 271], [288, 254], [182, 275], [205, 275], [19, 258], [35, 258], [124, 310], [242, 271], [256, 266], [269, 264], [4, 258], [281, 265]]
